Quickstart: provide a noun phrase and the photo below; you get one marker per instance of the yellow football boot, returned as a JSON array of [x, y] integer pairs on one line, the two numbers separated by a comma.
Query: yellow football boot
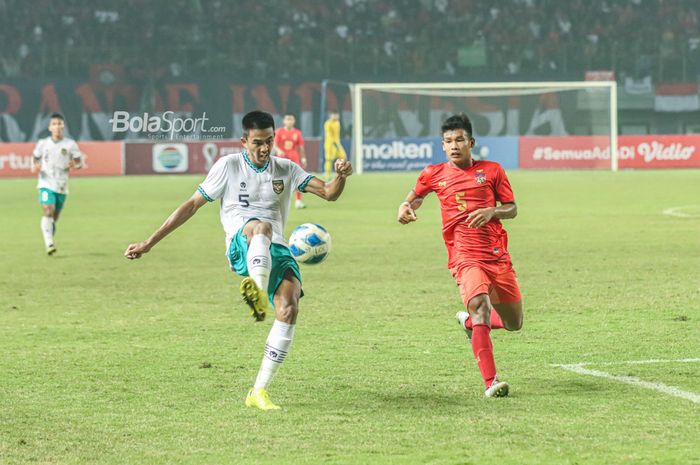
[[255, 298], [259, 398]]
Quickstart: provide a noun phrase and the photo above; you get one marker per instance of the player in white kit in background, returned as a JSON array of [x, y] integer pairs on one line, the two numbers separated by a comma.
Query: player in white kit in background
[[255, 189], [54, 157]]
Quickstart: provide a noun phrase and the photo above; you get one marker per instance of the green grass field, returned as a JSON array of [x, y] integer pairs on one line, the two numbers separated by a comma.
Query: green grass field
[[107, 361]]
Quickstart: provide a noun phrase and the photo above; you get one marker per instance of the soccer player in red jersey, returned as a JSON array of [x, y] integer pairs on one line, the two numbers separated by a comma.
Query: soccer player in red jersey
[[474, 197], [290, 145]]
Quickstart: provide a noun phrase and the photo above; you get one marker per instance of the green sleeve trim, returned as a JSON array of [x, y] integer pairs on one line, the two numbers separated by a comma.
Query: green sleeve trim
[[303, 185], [204, 194]]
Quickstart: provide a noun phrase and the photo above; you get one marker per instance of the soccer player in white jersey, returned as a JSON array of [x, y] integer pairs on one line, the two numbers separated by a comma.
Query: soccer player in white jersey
[[255, 190], [54, 157]]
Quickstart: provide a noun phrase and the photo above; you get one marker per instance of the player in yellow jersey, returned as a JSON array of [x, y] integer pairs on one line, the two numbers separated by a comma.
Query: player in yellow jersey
[[332, 148]]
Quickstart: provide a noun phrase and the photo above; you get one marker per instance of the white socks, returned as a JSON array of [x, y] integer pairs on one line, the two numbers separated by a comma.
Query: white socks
[[47, 228], [259, 261], [280, 338], [276, 348]]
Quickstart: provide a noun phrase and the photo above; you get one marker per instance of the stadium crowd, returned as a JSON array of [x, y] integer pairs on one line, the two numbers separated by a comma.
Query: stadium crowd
[[353, 39]]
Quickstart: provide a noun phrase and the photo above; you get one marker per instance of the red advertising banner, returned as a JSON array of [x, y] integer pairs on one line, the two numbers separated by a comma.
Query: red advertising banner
[[190, 157], [100, 159], [564, 152], [667, 151], [593, 152]]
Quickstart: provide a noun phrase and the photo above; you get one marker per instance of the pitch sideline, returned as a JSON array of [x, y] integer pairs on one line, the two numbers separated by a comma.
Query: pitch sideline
[[632, 380]]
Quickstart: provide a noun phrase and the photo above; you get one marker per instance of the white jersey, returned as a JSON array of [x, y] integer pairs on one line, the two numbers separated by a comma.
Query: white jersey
[[248, 192], [54, 157]]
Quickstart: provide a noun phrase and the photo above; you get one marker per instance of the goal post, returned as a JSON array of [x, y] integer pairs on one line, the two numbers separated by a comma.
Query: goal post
[[587, 108]]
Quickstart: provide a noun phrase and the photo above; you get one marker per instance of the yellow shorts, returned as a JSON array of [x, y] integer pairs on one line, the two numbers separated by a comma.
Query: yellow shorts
[[333, 151]]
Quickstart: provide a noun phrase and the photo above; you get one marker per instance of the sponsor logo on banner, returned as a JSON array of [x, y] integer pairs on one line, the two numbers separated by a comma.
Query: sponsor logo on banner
[[591, 152], [141, 157], [665, 151], [170, 158], [409, 154], [571, 152], [99, 158], [398, 150], [399, 155], [11, 162]]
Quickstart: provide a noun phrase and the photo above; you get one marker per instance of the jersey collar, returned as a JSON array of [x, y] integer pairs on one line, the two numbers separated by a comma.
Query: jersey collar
[[250, 163], [462, 169]]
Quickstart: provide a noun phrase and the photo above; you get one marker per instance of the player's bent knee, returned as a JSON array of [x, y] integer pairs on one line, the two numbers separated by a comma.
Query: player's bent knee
[[287, 312], [479, 309], [514, 325], [512, 316], [263, 227]]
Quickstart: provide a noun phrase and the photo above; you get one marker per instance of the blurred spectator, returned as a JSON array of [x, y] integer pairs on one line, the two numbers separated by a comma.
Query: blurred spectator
[[353, 39]]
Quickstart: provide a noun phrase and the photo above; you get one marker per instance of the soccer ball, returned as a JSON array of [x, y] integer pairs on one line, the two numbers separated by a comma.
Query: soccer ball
[[310, 243]]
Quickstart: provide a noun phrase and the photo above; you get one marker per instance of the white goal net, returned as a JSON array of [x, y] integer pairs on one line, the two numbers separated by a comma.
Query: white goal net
[[529, 125]]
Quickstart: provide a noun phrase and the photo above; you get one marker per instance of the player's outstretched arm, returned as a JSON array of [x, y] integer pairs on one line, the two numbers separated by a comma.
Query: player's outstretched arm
[[331, 190], [407, 210], [183, 213]]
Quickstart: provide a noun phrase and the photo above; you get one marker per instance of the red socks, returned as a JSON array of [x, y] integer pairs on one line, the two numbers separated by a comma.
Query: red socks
[[298, 195], [496, 322], [483, 352]]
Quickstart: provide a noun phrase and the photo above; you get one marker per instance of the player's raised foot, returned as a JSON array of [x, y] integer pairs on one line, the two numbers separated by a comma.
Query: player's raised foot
[[299, 205], [50, 250], [497, 389], [255, 298], [259, 398], [462, 318]]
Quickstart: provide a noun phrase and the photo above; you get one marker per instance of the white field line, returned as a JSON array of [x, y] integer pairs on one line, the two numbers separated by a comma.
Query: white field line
[[688, 211], [632, 362], [660, 387]]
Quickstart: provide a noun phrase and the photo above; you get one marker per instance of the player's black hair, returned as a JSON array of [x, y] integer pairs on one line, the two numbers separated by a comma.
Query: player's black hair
[[257, 119], [57, 115], [459, 121]]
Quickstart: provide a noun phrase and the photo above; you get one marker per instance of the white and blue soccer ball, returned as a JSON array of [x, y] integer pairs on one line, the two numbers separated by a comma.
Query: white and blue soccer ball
[[310, 243]]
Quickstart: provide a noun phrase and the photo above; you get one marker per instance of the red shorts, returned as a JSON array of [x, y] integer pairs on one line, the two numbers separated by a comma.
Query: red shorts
[[495, 279]]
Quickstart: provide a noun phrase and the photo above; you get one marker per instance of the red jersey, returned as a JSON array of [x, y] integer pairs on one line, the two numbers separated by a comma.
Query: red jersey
[[461, 191], [288, 143]]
